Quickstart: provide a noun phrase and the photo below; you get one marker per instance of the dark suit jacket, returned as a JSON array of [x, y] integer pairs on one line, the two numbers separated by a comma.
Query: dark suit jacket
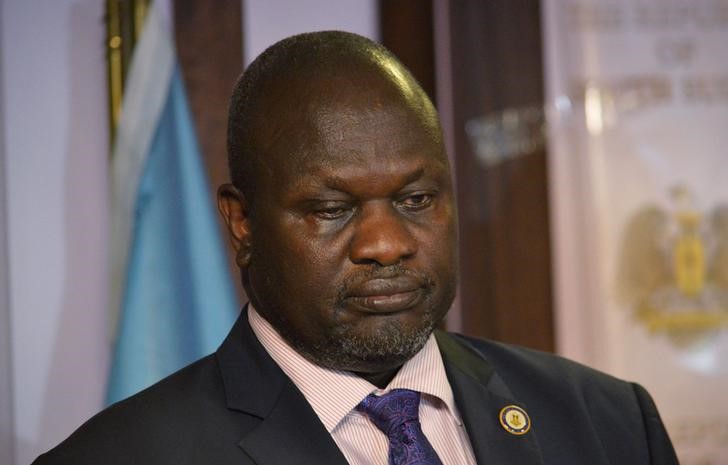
[[237, 407]]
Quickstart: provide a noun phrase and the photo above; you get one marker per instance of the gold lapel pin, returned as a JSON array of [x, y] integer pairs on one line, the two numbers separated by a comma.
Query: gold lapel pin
[[514, 419]]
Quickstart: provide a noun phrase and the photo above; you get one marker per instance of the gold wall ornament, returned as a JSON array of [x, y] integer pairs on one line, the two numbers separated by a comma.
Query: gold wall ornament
[[124, 25], [673, 269], [689, 249]]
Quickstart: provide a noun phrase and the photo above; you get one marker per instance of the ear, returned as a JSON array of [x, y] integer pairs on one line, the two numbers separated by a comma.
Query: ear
[[234, 209]]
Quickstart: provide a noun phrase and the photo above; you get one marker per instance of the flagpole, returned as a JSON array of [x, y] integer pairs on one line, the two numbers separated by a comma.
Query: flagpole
[[124, 24]]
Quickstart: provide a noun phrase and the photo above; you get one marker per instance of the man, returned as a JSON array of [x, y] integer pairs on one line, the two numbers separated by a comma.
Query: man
[[342, 216]]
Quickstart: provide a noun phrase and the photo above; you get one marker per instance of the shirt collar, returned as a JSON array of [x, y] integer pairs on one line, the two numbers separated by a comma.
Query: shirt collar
[[334, 393]]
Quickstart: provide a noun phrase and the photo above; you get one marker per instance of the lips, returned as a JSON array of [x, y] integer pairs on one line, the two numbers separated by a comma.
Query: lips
[[390, 295]]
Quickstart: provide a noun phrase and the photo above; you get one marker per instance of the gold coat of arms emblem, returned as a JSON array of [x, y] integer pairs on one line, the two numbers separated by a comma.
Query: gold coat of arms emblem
[[673, 268]]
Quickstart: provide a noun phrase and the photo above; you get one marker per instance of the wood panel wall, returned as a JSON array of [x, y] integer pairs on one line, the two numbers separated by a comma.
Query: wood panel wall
[[504, 218], [406, 29], [210, 49]]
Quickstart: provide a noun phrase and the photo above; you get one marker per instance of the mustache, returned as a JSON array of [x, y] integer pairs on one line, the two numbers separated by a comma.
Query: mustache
[[376, 272]]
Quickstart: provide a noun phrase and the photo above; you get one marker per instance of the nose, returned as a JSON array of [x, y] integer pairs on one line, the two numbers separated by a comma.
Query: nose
[[381, 237]]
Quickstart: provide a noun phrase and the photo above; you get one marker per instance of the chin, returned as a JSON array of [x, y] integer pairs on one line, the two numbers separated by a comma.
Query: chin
[[388, 348]]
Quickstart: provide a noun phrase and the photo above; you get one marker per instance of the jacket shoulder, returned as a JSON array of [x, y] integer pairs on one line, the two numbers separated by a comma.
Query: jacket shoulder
[[598, 414], [185, 408], [517, 363]]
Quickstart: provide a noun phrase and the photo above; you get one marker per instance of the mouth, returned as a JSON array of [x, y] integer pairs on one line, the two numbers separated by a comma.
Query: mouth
[[386, 296]]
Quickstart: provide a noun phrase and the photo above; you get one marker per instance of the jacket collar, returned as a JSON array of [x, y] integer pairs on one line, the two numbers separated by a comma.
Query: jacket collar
[[283, 427]]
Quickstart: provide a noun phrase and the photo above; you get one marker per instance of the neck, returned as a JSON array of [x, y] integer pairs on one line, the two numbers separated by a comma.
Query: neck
[[380, 379]]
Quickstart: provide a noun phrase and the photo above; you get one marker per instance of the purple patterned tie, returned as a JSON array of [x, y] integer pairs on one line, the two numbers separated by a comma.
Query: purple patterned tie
[[397, 415]]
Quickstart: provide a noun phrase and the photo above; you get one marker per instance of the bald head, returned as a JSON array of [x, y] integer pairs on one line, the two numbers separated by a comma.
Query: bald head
[[296, 82]]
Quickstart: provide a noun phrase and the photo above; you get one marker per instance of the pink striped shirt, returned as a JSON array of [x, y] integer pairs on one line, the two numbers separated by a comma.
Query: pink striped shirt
[[333, 395]]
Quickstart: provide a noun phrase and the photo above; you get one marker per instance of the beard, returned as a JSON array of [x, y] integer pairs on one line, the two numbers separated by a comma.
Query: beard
[[391, 346]]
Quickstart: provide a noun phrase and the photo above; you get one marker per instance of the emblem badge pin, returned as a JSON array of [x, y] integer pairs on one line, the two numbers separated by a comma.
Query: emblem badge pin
[[515, 420]]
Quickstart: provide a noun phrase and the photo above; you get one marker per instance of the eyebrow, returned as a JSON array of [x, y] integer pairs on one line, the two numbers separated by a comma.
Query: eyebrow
[[339, 183]]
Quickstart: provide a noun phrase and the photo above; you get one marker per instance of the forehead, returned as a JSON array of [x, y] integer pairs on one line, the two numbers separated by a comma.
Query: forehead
[[347, 150], [344, 121]]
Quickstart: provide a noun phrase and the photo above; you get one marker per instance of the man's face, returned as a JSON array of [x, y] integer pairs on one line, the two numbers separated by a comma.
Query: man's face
[[352, 229]]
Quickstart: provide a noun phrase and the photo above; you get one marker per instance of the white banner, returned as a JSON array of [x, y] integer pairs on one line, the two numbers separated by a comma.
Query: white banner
[[637, 96]]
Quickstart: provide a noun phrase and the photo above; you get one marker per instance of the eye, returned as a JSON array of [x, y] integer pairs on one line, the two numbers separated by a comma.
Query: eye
[[417, 201], [331, 211]]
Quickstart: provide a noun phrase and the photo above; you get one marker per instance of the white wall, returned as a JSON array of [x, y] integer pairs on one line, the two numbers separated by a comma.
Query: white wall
[[7, 427], [266, 22], [53, 115], [56, 153]]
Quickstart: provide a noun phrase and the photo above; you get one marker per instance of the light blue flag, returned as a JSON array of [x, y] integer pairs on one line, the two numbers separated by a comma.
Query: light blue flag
[[178, 301]]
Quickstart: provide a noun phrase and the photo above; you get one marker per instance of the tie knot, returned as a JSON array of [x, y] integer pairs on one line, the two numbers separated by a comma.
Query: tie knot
[[392, 409]]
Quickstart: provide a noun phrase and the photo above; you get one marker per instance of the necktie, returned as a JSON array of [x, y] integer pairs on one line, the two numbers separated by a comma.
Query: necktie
[[396, 414]]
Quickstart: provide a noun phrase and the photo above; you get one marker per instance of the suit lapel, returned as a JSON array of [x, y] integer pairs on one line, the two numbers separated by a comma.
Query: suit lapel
[[291, 434], [480, 394], [280, 425]]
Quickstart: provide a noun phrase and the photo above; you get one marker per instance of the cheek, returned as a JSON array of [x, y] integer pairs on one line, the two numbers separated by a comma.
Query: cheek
[[438, 238], [304, 261]]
